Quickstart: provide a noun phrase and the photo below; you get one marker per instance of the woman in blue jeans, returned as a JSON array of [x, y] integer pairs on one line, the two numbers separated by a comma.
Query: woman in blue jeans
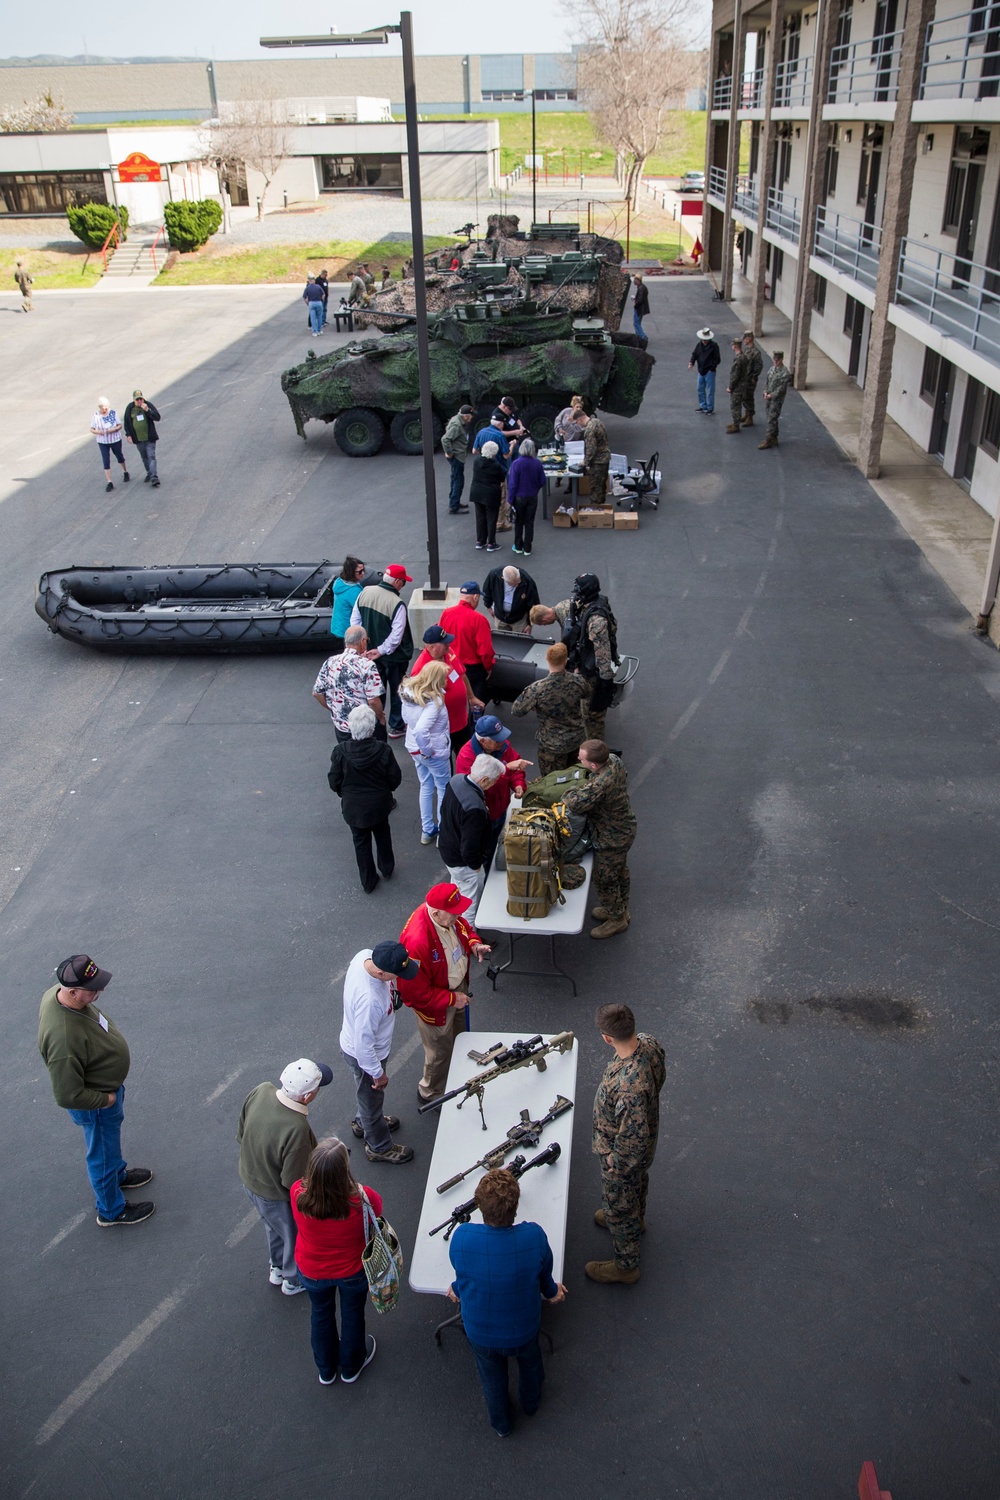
[[428, 739], [503, 1271], [326, 1206]]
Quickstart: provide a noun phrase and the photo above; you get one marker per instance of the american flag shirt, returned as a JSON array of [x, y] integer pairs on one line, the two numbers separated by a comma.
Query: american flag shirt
[[106, 426]]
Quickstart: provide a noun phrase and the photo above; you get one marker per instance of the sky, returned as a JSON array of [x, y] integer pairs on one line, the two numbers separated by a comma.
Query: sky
[[232, 28]]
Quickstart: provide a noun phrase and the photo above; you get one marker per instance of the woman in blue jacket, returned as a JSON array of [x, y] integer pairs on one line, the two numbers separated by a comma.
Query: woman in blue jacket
[[346, 589]]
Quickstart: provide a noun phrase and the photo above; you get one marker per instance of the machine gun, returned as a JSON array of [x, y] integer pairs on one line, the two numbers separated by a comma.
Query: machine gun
[[526, 1132], [517, 1168], [517, 1055]]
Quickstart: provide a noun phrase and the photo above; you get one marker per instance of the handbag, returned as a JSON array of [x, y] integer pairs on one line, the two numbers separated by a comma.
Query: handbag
[[381, 1259]]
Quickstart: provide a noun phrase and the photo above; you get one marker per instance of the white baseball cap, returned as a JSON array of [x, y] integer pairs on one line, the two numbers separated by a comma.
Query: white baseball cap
[[304, 1076]]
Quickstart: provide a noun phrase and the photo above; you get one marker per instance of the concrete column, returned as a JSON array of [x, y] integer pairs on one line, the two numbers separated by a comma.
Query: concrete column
[[805, 280], [733, 151], [895, 223], [765, 174]]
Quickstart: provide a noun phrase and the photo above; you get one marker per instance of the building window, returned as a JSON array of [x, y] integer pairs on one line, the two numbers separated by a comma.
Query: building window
[[850, 313], [819, 296], [989, 438], [777, 264], [49, 192], [500, 96], [553, 94], [930, 377], [342, 173]]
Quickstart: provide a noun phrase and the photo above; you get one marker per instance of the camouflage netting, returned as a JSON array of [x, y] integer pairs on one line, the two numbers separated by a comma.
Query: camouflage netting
[[606, 297], [629, 378]]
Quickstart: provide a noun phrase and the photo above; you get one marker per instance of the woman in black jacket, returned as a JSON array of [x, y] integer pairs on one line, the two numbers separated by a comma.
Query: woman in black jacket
[[488, 475], [364, 773]]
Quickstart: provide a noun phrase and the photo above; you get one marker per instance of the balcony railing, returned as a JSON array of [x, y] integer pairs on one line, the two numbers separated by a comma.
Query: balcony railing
[[962, 56], [717, 182], [793, 83], [784, 214], [746, 201], [865, 72], [722, 93], [752, 90], [848, 245], [960, 297]]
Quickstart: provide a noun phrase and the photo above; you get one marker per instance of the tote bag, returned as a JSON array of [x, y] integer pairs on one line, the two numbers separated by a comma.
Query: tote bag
[[381, 1259]]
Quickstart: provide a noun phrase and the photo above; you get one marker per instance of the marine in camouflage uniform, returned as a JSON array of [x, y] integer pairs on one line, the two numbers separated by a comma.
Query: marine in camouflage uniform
[[597, 634], [597, 458], [754, 365], [626, 1125], [736, 386], [558, 700], [603, 800], [776, 384]]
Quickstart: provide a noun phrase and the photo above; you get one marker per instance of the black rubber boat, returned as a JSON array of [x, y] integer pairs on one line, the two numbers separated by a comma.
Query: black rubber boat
[[225, 607]]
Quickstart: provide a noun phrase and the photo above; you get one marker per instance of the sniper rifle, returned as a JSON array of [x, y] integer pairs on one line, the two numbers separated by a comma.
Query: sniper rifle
[[517, 1168], [517, 1055], [526, 1132]]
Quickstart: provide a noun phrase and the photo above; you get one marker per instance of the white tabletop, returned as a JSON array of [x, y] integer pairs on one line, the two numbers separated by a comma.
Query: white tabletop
[[461, 1140], [564, 919]]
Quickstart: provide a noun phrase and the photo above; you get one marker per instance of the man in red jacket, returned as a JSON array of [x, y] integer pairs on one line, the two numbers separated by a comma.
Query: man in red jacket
[[443, 942], [473, 638], [493, 738]]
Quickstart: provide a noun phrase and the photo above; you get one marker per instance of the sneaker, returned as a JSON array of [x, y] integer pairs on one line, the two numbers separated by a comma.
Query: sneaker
[[429, 838], [147, 479], [330, 1381], [126, 475], [397, 734], [292, 1288], [136, 1177], [108, 487], [479, 545], [391, 1123], [518, 550], [132, 1213], [156, 484], [275, 1277], [369, 1340], [492, 547], [458, 510], [395, 1156], [525, 551]]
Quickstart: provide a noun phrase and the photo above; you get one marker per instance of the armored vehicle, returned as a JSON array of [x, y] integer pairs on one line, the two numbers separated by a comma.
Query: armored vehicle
[[478, 352]]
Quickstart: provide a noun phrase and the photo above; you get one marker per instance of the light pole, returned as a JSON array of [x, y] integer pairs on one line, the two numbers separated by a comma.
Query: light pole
[[534, 165], [379, 36]]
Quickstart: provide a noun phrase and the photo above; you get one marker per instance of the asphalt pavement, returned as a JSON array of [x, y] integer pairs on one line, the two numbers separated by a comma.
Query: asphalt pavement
[[812, 747]]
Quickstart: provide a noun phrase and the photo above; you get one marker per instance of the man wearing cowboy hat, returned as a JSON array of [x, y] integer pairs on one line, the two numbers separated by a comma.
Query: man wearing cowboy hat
[[707, 357]]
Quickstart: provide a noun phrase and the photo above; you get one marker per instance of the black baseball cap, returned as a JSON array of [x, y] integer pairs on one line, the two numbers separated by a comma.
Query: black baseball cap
[[81, 973], [394, 959], [435, 634]]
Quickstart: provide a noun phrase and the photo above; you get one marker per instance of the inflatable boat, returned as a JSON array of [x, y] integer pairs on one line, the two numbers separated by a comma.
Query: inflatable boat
[[224, 607]]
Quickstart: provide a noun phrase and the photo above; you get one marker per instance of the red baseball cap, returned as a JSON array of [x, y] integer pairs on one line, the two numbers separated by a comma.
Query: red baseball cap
[[396, 570], [448, 897]]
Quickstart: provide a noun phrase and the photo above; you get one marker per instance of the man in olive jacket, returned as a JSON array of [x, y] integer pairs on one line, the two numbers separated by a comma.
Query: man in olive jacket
[[276, 1141], [88, 1062]]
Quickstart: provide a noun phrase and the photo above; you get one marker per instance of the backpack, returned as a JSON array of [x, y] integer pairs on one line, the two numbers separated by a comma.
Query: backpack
[[533, 843], [548, 791]]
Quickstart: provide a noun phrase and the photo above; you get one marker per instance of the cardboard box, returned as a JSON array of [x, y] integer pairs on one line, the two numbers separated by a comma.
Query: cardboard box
[[583, 484], [562, 518], [626, 520], [597, 517]]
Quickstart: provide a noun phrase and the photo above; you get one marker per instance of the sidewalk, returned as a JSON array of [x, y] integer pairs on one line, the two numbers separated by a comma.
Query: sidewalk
[[948, 526]]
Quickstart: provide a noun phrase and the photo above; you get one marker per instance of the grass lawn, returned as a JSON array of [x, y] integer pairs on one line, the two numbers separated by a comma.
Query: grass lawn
[[219, 264], [570, 139], [74, 269]]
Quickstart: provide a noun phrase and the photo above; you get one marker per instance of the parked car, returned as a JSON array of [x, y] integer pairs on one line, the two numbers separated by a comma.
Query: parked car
[[692, 182]]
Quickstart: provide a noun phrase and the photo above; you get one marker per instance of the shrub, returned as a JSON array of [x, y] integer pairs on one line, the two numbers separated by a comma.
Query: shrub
[[189, 225], [93, 222]]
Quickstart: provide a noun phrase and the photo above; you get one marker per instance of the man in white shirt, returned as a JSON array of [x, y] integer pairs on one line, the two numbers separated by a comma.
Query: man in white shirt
[[370, 1004]]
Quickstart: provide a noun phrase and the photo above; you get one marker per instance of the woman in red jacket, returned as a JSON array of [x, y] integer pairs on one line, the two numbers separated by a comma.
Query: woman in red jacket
[[326, 1207]]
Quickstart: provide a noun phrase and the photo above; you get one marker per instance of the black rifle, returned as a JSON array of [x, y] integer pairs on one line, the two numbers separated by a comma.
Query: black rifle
[[526, 1133], [517, 1168], [517, 1055]]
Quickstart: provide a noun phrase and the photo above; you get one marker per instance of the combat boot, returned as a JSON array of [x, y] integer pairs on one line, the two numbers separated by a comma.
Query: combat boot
[[602, 1222], [601, 914], [733, 427], [610, 928], [769, 442], [610, 1270], [747, 421]]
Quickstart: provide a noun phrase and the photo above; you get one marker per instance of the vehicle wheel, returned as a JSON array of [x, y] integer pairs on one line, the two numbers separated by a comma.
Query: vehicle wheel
[[405, 432], [359, 432], [540, 420]]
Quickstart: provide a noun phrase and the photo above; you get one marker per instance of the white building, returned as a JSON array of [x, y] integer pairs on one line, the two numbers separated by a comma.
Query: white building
[[871, 204]]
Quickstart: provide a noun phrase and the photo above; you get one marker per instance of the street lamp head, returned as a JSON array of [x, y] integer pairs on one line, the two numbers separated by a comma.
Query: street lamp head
[[378, 36]]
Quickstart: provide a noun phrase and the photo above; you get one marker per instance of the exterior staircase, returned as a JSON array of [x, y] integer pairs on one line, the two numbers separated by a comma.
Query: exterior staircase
[[133, 263]]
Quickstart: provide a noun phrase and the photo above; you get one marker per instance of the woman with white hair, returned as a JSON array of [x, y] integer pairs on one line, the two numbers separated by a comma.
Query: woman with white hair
[[107, 429], [525, 479], [485, 492], [364, 773]]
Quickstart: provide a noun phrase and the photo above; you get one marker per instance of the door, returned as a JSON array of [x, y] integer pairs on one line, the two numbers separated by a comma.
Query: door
[[854, 325], [841, 52], [969, 433], [962, 198], [882, 45], [791, 37], [942, 410], [869, 177]]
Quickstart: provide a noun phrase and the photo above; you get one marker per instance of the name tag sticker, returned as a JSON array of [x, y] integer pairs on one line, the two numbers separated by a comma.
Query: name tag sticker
[[453, 676], [456, 956], [102, 1021]]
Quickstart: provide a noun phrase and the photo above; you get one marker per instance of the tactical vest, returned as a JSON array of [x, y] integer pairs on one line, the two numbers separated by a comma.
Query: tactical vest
[[576, 637]]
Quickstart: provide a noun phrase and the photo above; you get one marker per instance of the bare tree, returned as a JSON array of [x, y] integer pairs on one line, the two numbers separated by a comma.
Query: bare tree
[[254, 133], [633, 70], [34, 115]]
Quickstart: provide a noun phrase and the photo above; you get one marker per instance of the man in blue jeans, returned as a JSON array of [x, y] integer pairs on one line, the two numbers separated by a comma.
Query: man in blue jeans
[[88, 1062], [455, 447], [707, 357], [371, 1001], [502, 1272]]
